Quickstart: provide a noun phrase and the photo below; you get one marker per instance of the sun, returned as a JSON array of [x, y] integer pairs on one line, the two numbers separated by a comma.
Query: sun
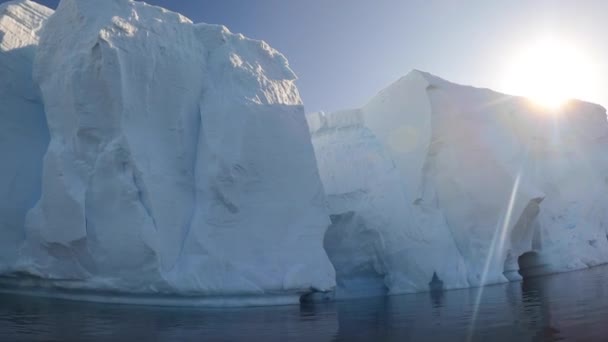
[[549, 71]]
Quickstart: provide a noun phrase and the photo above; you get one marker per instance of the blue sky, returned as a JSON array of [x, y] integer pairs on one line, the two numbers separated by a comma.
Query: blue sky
[[345, 51]]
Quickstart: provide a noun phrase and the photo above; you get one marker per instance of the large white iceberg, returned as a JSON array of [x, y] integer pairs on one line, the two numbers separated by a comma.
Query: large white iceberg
[[468, 184], [179, 161]]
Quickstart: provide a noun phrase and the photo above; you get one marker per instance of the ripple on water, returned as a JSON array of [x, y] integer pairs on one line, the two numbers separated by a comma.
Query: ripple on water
[[570, 306]]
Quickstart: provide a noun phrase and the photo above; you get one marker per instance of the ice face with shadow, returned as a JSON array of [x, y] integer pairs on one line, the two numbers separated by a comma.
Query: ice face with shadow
[[464, 186], [179, 161], [23, 131]]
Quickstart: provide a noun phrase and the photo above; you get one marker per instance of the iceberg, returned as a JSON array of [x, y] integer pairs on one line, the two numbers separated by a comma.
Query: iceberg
[[179, 161], [437, 183]]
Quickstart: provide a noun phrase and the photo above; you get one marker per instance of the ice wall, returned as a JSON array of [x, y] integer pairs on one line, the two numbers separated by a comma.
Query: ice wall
[[179, 161]]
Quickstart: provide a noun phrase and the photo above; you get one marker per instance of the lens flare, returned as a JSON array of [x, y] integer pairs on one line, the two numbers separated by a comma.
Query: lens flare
[[550, 71]]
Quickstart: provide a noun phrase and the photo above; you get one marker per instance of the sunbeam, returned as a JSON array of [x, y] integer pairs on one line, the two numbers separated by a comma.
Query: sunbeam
[[496, 249]]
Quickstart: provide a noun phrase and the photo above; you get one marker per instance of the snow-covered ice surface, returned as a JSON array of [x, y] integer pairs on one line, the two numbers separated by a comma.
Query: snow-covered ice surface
[[23, 133], [433, 177], [179, 161]]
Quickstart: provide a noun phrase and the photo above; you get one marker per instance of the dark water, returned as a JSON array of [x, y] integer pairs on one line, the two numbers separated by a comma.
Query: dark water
[[571, 307]]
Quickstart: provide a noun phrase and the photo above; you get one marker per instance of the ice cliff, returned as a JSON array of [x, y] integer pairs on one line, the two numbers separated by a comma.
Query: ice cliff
[[179, 158], [474, 186]]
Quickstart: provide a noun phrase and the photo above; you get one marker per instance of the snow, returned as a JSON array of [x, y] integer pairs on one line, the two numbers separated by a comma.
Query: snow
[[23, 133], [433, 177], [179, 162]]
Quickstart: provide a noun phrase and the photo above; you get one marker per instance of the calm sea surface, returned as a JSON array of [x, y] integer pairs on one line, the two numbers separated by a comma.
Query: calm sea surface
[[571, 307]]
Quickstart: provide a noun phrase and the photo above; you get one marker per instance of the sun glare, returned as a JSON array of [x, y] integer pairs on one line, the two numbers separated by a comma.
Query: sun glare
[[550, 72]]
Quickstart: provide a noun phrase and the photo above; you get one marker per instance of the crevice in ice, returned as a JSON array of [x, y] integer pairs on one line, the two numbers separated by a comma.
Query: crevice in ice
[[530, 265], [436, 284], [336, 218], [70, 258], [223, 200], [428, 165], [187, 228], [361, 276], [427, 191], [143, 196], [316, 296], [537, 243]]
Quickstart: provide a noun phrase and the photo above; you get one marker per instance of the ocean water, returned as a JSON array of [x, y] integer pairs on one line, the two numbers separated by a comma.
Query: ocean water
[[570, 306]]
